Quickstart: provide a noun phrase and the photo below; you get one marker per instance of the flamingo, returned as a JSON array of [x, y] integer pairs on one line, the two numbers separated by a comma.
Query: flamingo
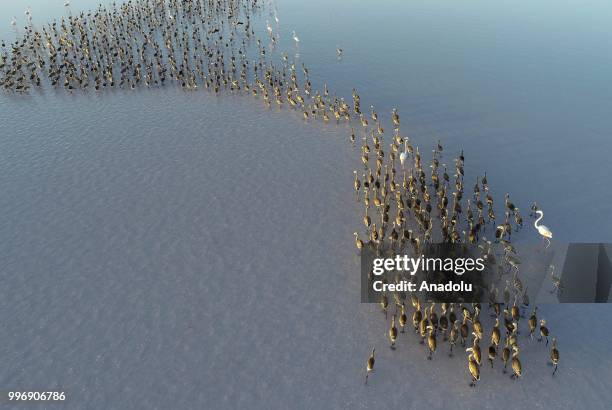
[[543, 229]]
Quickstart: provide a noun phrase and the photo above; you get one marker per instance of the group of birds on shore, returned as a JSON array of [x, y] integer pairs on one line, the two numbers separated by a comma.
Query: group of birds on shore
[[213, 44]]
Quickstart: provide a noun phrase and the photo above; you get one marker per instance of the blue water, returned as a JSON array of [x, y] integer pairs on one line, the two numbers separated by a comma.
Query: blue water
[[170, 249], [522, 87]]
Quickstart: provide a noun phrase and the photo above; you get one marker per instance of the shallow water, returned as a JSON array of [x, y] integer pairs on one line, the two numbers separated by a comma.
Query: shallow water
[[523, 88], [205, 256], [164, 248]]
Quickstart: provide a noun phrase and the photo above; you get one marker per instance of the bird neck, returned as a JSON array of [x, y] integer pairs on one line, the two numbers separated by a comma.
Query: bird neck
[[541, 215]]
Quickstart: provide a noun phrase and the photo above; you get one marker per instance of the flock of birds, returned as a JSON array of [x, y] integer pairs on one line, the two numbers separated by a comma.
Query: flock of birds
[[212, 44], [398, 193], [408, 204]]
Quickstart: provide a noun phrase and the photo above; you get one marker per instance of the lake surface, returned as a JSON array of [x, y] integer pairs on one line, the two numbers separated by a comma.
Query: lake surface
[[165, 249], [523, 88]]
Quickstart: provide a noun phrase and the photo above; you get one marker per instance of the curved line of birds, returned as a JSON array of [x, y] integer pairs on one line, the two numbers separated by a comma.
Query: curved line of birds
[[210, 44]]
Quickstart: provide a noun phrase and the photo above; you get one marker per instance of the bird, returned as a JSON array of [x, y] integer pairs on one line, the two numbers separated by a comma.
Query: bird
[[404, 153], [452, 338], [543, 331], [356, 184], [474, 369], [393, 333], [533, 322], [516, 364], [370, 365], [339, 52], [295, 38], [358, 242], [543, 229], [431, 341], [403, 318], [417, 316], [506, 354], [475, 349], [395, 117], [384, 304], [554, 355], [495, 333], [66, 3], [268, 28], [14, 21], [492, 354]]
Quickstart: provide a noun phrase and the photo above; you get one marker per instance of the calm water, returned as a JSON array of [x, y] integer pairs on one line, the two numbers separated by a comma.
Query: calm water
[[524, 87], [165, 249]]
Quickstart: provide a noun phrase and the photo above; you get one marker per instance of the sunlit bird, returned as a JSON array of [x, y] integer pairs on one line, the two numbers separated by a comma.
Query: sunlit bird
[[543, 229], [370, 365], [268, 27]]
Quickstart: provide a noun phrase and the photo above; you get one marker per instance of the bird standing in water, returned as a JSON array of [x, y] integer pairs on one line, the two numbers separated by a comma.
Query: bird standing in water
[[295, 38], [543, 229], [370, 365]]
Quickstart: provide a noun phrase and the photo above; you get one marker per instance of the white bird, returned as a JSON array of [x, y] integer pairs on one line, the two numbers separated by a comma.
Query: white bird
[[276, 17], [14, 21], [543, 229], [67, 3], [295, 38], [403, 157], [404, 154], [268, 27]]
